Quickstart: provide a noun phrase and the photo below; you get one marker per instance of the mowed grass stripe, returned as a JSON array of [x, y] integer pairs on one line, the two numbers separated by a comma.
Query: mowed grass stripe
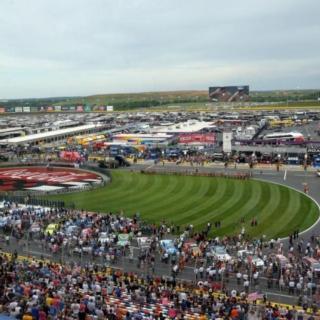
[[198, 200], [207, 188], [141, 184], [178, 207], [202, 206], [250, 200], [227, 215], [309, 210], [113, 201], [252, 210], [297, 212], [290, 213], [269, 213], [234, 202], [137, 192], [120, 182], [161, 212], [99, 200], [161, 189]]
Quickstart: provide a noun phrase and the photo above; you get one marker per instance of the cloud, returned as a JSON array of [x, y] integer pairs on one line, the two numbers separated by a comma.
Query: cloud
[[84, 47]]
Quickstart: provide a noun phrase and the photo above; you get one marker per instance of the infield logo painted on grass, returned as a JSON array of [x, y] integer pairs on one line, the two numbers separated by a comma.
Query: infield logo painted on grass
[[12, 179]]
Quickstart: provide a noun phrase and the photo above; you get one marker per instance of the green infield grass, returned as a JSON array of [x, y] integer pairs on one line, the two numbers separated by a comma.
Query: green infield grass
[[184, 200]]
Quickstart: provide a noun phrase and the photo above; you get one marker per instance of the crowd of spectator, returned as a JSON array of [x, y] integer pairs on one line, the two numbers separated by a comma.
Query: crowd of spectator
[[81, 285]]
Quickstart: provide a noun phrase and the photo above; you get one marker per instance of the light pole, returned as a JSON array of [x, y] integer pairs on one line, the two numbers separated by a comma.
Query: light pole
[[305, 167]]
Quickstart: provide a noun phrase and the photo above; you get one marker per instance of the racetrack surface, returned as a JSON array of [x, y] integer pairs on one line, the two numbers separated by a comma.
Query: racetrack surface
[[184, 200]]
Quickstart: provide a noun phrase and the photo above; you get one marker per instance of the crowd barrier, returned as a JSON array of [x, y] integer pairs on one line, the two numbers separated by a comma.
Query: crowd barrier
[[238, 176], [29, 200]]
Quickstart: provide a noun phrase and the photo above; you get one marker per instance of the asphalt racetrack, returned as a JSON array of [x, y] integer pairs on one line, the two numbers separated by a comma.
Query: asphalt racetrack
[[196, 200]]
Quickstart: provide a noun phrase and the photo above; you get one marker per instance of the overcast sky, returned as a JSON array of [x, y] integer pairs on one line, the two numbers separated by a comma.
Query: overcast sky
[[83, 47]]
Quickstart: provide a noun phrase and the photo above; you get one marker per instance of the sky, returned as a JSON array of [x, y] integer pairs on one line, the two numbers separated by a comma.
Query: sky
[[83, 47]]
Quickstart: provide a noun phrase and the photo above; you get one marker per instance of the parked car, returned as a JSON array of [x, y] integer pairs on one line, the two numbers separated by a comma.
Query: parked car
[[219, 253], [283, 261], [312, 264], [3, 221], [168, 246]]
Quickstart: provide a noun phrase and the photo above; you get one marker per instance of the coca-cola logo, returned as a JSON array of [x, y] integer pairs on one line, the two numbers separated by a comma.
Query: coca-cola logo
[[18, 178]]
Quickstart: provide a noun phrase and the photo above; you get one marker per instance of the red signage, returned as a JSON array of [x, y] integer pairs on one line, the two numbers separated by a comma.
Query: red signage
[[70, 155], [12, 179], [79, 108], [207, 138]]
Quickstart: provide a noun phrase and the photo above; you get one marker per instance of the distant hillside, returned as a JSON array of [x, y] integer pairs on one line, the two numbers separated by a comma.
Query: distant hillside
[[127, 101], [164, 96], [167, 97]]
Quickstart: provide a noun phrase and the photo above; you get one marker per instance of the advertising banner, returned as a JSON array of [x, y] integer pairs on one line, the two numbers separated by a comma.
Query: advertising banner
[[10, 109], [99, 108], [87, 108], [2, 110], [79, 108], [109, 108], [50, 108], [57, 108], [70, 155], [229, 93], [206, 138], [35, 109], [26, 109], [18, 109]]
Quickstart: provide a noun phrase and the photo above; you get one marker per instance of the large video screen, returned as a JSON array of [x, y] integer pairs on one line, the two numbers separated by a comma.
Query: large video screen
[[229, 93]]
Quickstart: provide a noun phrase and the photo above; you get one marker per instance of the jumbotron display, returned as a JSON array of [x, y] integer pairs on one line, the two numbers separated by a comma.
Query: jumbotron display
[[229, 93]]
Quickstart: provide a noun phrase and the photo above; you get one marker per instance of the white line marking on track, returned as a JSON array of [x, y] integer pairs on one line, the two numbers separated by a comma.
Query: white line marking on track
[[268, 174], [38, 253], [285, 175]]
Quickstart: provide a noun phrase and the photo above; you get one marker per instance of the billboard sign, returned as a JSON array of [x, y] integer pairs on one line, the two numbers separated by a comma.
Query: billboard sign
[[70, 155], [26, 109], [34, 109], [229, 93], [98, 108], [205, 138], [109, 108], [18, 109], [79, 109], [57, 108], [10, 109]]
